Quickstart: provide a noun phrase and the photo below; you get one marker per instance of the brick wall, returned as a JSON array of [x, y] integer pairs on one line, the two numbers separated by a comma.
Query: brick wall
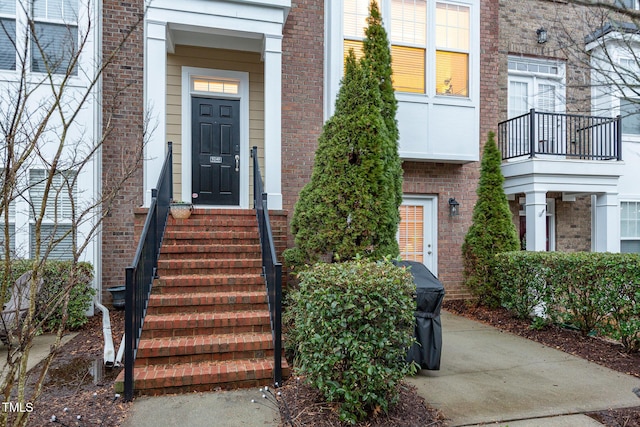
[[573, 225], [123, 106], [302, 120], [302, 83]]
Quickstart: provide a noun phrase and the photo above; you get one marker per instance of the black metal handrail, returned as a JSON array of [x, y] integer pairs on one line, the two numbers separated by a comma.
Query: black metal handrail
[[271, 268], [561, 135], [140, 275]]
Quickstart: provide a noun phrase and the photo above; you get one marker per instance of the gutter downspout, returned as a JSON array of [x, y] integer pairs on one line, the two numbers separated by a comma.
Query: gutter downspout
[[109, 352]]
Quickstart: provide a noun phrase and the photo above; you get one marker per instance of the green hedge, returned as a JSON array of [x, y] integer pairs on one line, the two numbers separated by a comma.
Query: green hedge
[[55, 279], [353, 324], [594, 292]]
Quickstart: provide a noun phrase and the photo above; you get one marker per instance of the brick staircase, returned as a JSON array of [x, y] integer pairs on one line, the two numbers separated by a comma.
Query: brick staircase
[[207, 325]]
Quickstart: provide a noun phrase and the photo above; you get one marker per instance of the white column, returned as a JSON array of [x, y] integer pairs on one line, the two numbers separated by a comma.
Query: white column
[[536, 211], [607, 223], [272, 58], [155, 87]]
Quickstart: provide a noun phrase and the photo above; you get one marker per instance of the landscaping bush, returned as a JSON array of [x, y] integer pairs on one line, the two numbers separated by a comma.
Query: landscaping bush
[[353, 325], [491, 231], [522, 278], [55, 280], [594, 292]]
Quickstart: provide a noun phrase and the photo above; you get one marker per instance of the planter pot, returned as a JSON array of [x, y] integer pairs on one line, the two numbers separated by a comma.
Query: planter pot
[[181, 211], [117, 293]]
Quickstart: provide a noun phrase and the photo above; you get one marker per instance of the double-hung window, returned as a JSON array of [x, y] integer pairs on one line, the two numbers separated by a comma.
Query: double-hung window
[[430, 43], [54, 43], [630, 114], [630, 227], [56, 229], [7, 35]]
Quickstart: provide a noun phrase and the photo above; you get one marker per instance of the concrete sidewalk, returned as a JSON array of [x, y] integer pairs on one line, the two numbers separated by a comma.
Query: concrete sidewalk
[[487, 377], [490, 376]]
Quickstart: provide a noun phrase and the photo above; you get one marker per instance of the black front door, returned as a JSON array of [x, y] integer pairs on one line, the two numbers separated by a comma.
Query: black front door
[[216, 160]]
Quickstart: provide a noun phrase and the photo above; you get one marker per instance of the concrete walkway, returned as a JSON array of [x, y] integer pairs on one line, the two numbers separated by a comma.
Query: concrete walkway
[[490, 376], [487, 377]]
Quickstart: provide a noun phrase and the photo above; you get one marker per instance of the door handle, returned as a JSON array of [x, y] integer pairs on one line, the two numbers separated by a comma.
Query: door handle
[[237, 162]]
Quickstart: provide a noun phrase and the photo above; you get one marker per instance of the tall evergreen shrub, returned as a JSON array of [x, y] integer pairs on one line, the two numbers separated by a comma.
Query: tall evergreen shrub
[[492, 230], [377, 58], [349, 206]]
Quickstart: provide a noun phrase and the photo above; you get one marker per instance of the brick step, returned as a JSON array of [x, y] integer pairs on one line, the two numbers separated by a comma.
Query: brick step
[[208, 283], [206, 302], [209, 266], [179, 250], [192, 324], [224, 236], [206, 376], [204, 348], [214, 221]]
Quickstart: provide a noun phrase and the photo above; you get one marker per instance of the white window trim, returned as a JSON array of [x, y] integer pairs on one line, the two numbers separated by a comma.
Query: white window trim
[[334, 60], [188, 73]]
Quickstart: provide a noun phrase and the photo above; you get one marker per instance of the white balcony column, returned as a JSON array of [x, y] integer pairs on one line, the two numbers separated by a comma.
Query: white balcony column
[[155, 84], [536, 215], [272, 57], [607, 223]]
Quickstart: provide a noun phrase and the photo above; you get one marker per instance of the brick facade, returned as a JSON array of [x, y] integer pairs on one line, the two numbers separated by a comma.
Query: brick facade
[[123, 109], [566, 25]]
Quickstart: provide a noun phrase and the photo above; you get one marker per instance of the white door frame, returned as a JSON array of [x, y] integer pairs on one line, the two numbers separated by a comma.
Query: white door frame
[[188, 73], [430, 227]]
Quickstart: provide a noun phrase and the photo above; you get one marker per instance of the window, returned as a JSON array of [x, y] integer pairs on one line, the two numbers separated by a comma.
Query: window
[[7, 35], [54, 43], [630, 114], [628, 4], [630, 227], [452, 49], [56, 225], [411, 33], [535, 83]]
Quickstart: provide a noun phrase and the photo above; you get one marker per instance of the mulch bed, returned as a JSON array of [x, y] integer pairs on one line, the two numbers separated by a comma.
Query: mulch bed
[[302, 405], [72, 385], [78, 382], [598, 350]]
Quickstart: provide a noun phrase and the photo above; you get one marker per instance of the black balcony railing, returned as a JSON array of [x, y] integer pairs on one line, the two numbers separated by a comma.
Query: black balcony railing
[[271, 268], [140, 275], [563, 135]]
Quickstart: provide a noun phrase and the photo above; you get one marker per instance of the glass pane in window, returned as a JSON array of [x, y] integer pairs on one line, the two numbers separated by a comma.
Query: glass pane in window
[[409, 21], [58, 236], [518, 99], [452, 73], [408, 65], [7, 44], [356, 45], [630, 246], [630, 113], [55, 46], [452, 26], [66, 10], [355, 17], [8, 7], [411, 233], [546, 98]]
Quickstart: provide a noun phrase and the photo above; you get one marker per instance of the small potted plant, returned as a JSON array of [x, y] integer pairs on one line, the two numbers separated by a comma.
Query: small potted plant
[[180, 209]]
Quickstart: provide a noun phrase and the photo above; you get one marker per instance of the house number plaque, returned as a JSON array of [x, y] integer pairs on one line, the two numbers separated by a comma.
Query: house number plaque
[[215, 159]]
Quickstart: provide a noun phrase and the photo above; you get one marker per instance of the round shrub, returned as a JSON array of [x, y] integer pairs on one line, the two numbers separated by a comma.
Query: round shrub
[[353, 324]]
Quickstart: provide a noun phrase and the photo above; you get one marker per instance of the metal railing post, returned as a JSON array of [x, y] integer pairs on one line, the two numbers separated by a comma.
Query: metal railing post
[[129, 333], [532, 132], [619, 137]]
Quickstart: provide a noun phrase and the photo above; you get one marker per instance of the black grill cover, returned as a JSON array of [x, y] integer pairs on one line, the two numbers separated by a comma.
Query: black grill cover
[[428, 330]]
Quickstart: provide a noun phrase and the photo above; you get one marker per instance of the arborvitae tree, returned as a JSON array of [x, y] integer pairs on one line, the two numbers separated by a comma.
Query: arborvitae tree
[[344, 210], [377, 57], [492, 230]]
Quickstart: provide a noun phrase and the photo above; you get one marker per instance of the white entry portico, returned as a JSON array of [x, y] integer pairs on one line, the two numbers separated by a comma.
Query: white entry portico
[[240, 26]]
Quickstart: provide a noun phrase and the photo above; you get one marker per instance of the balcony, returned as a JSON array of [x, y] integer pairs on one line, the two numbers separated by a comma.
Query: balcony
[[560, 136]]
